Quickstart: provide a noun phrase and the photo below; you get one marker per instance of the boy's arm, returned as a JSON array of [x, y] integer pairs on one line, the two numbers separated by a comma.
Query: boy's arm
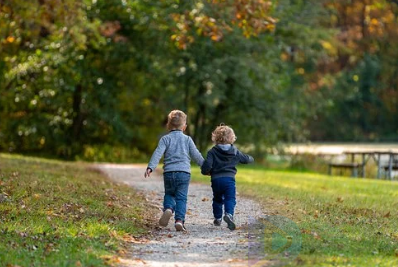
[[207, 164], [194, 153], [245, 158], [157, 155]]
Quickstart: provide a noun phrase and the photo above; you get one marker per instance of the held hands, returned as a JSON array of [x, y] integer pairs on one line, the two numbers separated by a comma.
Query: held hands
[[148, 173]]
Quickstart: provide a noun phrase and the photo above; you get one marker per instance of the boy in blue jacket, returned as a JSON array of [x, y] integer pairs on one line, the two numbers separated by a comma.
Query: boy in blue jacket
[[221, 164]]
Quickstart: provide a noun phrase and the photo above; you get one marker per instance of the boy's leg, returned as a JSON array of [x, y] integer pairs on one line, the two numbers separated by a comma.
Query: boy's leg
[[216, 185], [169, 192], [168, 200], [230, 195], [230, 202], [182, 184]]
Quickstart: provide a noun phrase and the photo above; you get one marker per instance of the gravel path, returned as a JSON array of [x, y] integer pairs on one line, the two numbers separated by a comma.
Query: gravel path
[[203, 244]]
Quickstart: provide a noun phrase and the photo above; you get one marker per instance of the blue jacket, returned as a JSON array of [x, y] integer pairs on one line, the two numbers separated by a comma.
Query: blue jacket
[[222, 163]]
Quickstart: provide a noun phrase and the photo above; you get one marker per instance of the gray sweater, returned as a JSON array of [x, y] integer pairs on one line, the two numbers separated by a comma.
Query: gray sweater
[[178, 149]]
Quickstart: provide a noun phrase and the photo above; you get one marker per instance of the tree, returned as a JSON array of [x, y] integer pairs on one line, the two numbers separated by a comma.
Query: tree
[[93, 73], [362, 85]]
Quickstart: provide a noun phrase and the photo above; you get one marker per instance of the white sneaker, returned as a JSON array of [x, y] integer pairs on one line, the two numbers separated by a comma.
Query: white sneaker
[[164, 220], [179, 225]]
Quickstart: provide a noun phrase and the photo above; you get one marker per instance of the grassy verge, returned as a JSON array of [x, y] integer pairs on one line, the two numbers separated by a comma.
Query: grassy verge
[[63, 214], [343, 221]]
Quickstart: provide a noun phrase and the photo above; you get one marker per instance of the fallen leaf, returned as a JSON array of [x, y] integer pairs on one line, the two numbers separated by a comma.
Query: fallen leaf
[[316, 236]]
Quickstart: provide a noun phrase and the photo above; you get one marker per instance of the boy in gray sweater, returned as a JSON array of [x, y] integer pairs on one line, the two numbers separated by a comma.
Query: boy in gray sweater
[[177, 149]]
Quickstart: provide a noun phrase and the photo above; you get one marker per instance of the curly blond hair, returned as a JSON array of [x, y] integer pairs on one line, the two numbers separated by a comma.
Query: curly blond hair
[[223, 134], [176, 120]]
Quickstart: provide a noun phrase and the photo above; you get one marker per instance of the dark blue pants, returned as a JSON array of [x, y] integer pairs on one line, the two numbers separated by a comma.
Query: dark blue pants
[[175, 193], [224, 193]]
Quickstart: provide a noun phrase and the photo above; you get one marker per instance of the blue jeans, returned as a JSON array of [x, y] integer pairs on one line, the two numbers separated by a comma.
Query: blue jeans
[[175, 193], [224, 193]]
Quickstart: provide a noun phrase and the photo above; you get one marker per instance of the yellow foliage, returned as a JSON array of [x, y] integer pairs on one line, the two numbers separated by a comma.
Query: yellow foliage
[[329, 47], [10, 39]]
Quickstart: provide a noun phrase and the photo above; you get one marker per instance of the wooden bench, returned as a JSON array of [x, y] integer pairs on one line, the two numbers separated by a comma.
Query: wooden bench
[[387, 163], [354, 166], [393, 167], [388, 167]]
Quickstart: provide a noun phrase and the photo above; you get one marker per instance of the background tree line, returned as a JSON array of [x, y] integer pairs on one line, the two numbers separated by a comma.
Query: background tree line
[[96, 78]]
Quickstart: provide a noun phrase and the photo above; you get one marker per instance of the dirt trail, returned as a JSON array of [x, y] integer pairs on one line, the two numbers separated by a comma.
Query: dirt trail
[[203, 244]]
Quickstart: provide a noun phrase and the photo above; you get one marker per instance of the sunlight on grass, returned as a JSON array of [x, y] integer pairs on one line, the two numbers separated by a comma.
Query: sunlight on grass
[[344, 221], [55, 213]]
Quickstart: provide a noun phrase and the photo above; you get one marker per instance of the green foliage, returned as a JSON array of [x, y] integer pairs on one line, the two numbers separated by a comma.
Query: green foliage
[[106, 73], [62, 214], [108, 153]]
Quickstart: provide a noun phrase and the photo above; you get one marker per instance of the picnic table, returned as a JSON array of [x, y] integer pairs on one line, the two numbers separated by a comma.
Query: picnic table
[[387, 162]]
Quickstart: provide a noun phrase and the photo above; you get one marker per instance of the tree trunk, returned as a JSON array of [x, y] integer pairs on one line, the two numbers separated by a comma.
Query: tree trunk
[[200, 127], [77, 114]]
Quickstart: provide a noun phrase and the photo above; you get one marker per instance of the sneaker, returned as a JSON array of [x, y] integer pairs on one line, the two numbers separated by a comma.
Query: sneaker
[[229, 219], [179, 225], [217, 222], [164, 220]]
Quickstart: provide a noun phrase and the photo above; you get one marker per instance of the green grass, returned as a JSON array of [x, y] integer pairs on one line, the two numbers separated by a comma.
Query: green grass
[[343, 221], [56, 213]]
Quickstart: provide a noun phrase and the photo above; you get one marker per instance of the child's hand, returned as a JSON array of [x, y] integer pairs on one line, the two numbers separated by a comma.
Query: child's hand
[[147, 173]]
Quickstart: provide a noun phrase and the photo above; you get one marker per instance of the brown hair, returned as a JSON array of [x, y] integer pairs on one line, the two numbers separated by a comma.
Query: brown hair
[[223, 134], [176, 120]]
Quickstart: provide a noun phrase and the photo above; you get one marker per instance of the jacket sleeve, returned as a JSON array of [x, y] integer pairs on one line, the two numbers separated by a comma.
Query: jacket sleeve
[[207, 164], [194, 152], [157, 155], [245, 158]]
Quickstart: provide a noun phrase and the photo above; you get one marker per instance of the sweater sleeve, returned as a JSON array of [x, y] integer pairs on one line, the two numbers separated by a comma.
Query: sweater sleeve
[[245, 158], [194, 152], [157, 154], [207, 164]]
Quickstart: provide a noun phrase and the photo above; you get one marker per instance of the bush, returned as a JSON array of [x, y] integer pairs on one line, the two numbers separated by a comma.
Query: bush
[[108, 153]]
